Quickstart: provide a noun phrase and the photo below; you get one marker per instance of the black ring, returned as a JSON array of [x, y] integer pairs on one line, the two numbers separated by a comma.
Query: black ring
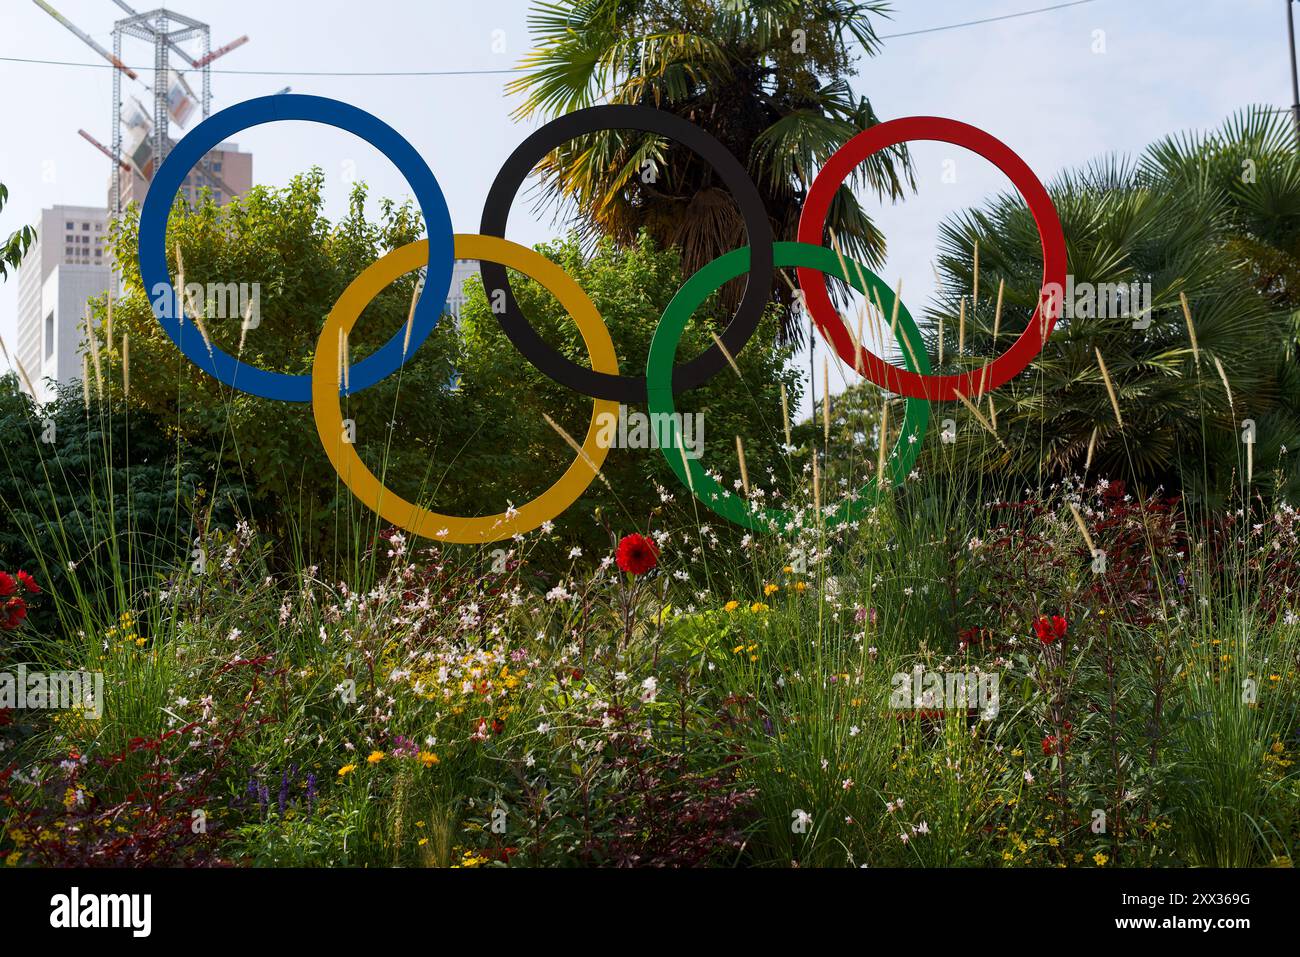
[[603, 385]]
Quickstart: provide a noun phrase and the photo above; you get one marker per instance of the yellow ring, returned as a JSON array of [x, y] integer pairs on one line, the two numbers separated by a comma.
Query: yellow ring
[[363, 483]]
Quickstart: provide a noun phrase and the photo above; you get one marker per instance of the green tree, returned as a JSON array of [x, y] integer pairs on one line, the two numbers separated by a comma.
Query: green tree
[[510, 454], [768, 78], [279, 240], [15, 247]]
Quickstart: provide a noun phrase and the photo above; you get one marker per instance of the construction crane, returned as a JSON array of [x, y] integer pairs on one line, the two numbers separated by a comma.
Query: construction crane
[[173, 100], [180, 51], [87, 39], [221, 51], [104, 149]]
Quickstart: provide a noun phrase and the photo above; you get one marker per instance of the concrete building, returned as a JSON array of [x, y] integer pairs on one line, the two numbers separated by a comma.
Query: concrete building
[[231, 176], [67, 265], [461, 270]]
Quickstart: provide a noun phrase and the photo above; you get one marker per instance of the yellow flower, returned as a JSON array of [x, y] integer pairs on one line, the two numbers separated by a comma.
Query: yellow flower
[[347, 769], [1100, 859], [770, 590], [789, 569], [428, 758], [731, 605], [800, 586], [375, 757], [424, 841], [758, 606]]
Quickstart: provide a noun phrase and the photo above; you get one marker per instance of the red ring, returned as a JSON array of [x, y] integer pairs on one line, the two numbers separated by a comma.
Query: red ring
[[812, 222]]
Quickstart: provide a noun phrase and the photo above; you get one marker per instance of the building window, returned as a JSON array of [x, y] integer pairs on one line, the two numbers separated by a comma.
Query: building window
[[69, 225], [49, 336]]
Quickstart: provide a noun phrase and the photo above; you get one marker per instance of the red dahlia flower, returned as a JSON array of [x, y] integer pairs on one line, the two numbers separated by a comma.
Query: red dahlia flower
[[1050, 630], [29, 583], [637, 554], [15, 610], [7, 585]]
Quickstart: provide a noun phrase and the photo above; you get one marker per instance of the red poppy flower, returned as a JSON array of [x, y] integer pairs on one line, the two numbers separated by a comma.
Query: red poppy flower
[[15, 610], [637, 554], [1050, 630], [1050, 743], [29, 583], [7, 585]]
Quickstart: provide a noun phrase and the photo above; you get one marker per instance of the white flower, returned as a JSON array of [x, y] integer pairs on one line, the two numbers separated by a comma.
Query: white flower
[[649, 689], [575, 552], [854, 731]]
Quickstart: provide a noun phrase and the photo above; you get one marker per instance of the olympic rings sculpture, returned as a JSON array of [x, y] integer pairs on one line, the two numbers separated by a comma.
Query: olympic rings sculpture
[[602, 382]]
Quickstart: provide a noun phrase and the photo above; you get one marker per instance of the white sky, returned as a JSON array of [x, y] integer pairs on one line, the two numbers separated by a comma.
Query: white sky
[[1033, 82]]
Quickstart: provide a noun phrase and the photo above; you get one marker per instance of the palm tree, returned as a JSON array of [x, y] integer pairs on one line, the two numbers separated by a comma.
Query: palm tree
[[767, 78], [1176, 221]]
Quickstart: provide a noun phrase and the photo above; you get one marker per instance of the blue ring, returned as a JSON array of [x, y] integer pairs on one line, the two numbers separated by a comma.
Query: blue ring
[[317, 109]]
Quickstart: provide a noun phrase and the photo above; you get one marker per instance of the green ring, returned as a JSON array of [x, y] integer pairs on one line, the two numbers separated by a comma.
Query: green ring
[[663, 356]]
